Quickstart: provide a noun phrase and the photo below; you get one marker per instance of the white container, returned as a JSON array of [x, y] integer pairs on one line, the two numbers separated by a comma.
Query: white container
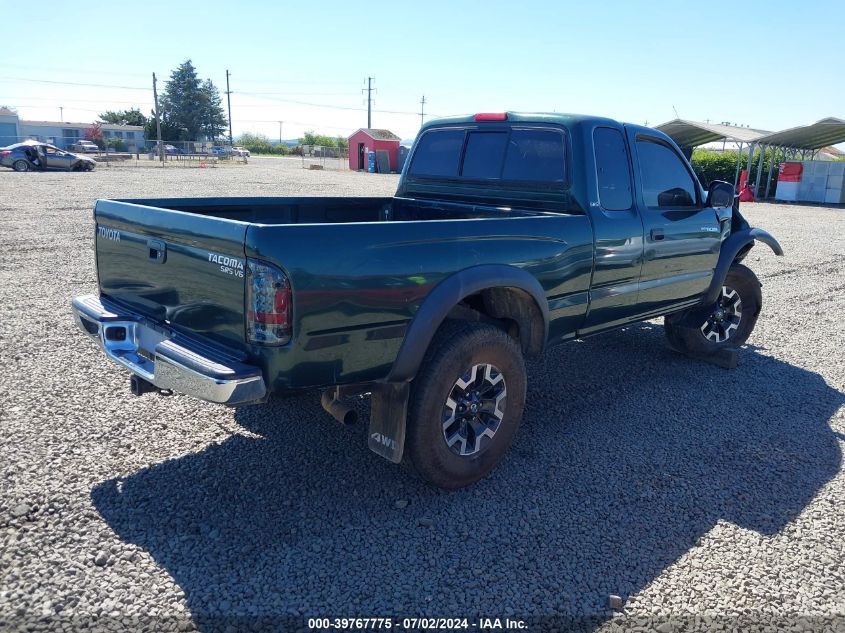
[[833, 196], [836, 169], [787, 191]]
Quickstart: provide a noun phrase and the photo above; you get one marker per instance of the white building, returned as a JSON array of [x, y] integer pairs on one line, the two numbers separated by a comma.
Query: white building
[[62, 134]]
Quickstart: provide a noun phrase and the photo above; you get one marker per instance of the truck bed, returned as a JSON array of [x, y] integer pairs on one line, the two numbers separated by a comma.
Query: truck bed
[[318, 210], [182, 263]]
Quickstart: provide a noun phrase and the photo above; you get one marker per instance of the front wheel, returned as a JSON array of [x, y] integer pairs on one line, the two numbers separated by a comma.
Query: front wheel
[[725, 324], [466, 404]]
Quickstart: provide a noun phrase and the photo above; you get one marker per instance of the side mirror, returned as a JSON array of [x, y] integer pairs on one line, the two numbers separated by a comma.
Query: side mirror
[[720, 194]]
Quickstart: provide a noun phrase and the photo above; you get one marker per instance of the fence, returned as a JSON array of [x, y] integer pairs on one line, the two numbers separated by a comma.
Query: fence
[[195, 151], [116, 150], [323, 157]]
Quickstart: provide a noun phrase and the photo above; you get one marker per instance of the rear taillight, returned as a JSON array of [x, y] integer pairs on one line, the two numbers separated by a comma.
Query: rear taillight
[[2, 154], [268, 304]]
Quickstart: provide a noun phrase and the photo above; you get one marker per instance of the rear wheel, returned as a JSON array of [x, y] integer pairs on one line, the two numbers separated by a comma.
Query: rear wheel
[[466, 404], [20, 165], [727, 323]]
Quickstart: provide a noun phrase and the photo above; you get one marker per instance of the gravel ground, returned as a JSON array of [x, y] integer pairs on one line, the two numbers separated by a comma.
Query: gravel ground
[[703, 498]]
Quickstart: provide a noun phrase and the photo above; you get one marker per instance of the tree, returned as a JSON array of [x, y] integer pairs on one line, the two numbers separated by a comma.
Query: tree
[[95, 135], [215, 121], [191, 105], [169, 130], [260, 144], [133, 116], [311, 138]]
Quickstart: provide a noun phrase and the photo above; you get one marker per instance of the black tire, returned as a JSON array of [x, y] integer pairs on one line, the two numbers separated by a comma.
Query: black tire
[[20, 165], [725, 325], [461, 352]]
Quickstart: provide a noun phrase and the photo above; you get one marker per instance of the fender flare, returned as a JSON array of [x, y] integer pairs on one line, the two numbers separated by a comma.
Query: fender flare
[[445, 296], [731, 248]]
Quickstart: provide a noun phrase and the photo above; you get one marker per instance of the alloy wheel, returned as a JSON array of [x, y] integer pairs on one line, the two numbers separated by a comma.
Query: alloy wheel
[[474, 409], [725, 317]]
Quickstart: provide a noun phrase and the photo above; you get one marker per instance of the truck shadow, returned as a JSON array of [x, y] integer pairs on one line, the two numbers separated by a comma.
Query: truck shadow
[[628, 455]]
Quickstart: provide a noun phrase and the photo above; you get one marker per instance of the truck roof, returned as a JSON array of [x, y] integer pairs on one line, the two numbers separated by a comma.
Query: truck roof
[[527, 117]]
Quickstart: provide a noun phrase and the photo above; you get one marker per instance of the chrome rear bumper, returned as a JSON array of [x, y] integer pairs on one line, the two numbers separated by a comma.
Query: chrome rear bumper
[[167, 359]]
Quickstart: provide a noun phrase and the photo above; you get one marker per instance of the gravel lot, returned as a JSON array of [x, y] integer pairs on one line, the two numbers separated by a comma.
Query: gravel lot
[[704, 498]]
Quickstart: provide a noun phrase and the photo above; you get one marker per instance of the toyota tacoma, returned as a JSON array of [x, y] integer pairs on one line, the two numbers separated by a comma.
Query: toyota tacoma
[[508, 233]]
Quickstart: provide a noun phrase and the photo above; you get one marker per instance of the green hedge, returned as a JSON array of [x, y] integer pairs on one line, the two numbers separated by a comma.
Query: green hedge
[[261, 144], [710, 166]]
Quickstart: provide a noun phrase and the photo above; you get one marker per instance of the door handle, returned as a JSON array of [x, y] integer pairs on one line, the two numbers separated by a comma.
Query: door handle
[[157, 251], [657, 234]]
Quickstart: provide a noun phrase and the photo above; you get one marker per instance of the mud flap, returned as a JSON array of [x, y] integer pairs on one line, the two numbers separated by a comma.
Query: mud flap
[[388, 413], [726, 358]]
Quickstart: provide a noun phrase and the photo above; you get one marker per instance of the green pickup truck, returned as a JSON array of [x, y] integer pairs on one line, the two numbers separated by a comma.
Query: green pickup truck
[[508, 233]]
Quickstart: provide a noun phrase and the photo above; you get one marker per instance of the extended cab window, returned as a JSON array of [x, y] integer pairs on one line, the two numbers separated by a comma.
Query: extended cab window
[[535, 156], [666, 181], [612, 175], [484, 154], [438, 154], [515, 156]]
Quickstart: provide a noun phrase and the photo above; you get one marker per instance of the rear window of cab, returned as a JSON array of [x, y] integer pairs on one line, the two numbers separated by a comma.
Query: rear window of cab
[[506, 155]]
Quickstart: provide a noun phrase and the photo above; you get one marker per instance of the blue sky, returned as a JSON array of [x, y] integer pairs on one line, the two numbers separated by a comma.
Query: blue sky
[[768, 64]]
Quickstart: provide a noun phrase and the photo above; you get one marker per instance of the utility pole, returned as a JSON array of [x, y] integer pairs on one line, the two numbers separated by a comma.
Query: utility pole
[[280, 132], [422, 110], [158, 121], [369, 90], [61, 114], [229, 103]]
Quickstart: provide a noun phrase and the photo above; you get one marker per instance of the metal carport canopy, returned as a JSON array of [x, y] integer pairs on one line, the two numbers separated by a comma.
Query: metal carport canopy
[[695, 133], [829, 131]]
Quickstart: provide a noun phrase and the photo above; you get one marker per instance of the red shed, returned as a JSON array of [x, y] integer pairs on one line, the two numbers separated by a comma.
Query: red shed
[[369, 140]]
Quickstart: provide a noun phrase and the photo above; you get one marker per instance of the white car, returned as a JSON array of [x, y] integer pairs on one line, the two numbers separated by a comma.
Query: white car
[[84, 146], [240, 151]]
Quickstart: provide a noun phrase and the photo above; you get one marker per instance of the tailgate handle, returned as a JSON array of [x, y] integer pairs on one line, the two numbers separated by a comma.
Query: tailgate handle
[[157, 251]]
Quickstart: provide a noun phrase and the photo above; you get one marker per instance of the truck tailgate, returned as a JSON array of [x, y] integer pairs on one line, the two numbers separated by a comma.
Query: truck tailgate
[[184, 269]]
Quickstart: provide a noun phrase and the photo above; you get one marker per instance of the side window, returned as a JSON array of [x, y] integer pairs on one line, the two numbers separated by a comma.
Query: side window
[[438, 154], [666, 182], [484, 154], [535, 156], [612, 174]]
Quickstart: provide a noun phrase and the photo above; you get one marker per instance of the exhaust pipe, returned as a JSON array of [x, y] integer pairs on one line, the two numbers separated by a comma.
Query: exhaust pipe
[[138, 386], [341, 412]]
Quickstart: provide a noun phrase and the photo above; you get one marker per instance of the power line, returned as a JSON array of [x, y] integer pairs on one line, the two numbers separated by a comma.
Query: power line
[[331, 107], [303, 94], [293, 81], [53, 99], [74, 70], [72, 83], [369, 90]]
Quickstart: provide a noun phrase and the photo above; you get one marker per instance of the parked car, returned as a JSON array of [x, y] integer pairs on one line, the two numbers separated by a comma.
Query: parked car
[[84, 146], [219, 150], [33, 155], [240, 151], [168, 149], [508, 233]]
